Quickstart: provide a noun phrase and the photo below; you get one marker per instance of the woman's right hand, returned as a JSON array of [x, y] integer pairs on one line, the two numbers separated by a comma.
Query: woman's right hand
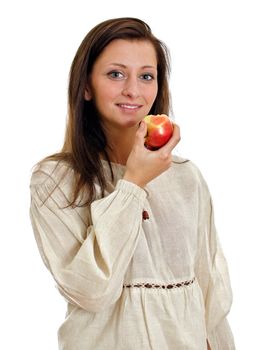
[[144, 165]]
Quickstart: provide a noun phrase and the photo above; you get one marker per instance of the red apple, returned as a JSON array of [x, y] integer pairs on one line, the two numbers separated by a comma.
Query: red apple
[[159, 130]]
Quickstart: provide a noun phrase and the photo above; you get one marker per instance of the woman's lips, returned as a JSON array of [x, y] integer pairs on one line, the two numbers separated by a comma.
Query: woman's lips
[[129, 106]]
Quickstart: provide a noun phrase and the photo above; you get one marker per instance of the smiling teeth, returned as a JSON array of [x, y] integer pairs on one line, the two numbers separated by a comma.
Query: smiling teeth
[[129, 106]]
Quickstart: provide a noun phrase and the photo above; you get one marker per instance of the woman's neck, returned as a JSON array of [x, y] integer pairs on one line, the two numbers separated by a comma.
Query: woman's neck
[[120, 145]]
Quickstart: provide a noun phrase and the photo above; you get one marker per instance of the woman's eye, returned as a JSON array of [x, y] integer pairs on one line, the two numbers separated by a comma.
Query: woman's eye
[[147, 76], [115, 75]]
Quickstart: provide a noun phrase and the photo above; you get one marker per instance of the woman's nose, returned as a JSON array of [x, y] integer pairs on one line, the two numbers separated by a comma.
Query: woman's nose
[[131, 88]]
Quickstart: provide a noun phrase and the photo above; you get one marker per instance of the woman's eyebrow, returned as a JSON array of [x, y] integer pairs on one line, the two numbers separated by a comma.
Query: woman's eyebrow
[[124, 66]]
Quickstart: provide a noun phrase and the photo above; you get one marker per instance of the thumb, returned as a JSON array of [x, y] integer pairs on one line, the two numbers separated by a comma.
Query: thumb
[[141, 133]]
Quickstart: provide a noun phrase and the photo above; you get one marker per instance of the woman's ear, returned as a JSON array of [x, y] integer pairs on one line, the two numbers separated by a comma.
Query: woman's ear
[[87, 93]]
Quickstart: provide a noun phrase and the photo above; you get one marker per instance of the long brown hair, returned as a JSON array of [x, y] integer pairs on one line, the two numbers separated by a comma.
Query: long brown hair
[[85, 139]]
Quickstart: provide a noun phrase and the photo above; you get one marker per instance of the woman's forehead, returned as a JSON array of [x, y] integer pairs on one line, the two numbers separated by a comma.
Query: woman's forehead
[[129, 52]]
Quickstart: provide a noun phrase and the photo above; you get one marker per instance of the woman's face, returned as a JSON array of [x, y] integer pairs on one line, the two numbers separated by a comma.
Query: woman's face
[[123, 82]]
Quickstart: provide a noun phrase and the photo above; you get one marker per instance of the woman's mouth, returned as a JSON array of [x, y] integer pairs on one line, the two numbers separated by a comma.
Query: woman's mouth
[[129, 106]]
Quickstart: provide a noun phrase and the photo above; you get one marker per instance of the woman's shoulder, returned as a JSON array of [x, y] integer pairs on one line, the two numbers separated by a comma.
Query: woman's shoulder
[[52, 178], [188, 171], [185, 164], [49, 170]]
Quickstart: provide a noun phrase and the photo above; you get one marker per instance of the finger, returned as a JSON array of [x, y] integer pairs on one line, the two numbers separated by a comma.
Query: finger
[[141, 133], [171, 144]]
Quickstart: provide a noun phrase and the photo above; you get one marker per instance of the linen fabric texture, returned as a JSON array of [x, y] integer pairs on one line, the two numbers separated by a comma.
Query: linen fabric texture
[[94, 252]]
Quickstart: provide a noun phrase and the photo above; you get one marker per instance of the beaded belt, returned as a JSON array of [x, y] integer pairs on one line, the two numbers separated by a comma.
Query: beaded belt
[[160, 286]]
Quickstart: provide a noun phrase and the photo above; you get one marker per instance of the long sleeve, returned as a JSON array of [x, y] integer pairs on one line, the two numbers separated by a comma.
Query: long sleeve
[[87, 252], [213, 277]]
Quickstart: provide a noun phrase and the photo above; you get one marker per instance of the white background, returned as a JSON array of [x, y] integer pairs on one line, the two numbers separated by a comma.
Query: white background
[[214, 81]]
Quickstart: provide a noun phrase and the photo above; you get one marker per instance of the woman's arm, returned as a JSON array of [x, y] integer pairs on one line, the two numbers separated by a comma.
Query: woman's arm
[[213, 277], [87, 260]]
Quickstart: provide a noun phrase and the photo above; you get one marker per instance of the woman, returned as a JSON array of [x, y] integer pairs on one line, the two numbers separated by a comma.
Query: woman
[[128, 233]]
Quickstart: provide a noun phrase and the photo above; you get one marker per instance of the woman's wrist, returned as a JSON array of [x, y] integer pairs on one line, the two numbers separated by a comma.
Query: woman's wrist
[[134, 179]]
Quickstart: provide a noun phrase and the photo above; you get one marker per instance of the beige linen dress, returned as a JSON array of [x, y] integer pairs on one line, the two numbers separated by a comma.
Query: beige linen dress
[[134, 284]]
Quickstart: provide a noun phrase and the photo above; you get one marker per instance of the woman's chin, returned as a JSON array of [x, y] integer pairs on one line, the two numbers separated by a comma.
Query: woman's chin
[[132, 124]]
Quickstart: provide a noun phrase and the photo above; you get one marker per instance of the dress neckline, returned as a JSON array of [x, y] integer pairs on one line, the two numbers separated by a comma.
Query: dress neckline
[[116, 165]]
